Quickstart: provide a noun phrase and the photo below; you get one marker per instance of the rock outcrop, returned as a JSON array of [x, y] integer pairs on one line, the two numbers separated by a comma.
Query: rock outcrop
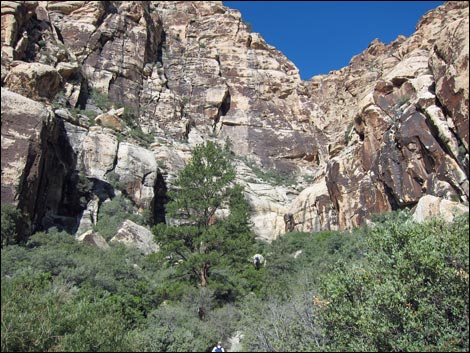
[[22, 123], [131, 234], [36, 158], [431, 206], [377, 135], [93, 239], [401, 140], [34, 80]]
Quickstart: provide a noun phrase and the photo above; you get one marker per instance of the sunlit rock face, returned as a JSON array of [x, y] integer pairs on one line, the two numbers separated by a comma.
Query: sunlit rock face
[[430, 206], [375, 136], [397, 119], [132, 234]]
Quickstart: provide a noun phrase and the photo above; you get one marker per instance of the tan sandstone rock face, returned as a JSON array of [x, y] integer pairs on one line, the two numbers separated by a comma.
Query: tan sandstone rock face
[[131, 234], [93, 239], [99, 153], [138, 169], [430, 207], [206, 73], [312, 209], [374, 136], [449, 64], [401, 128], [35, 159], [34, 80], [22, 123], [15, 14]]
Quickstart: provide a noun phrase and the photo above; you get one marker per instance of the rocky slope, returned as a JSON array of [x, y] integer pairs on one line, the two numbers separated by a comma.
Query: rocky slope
[[375, 136]]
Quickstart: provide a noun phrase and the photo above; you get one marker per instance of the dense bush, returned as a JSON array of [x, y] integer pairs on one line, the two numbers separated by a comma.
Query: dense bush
[[316, 253], [176, 326], [10, 217], [91, 297], [409, 294], [113, 213], [282, 316], [40, 313], [397, 286], [275, 324]]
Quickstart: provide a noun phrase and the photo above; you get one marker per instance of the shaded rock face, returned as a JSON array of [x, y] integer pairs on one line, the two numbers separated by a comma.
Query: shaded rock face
[[37, 163], [375, 136]]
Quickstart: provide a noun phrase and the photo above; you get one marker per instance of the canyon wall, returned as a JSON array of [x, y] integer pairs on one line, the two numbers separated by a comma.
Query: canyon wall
[[108, 98]]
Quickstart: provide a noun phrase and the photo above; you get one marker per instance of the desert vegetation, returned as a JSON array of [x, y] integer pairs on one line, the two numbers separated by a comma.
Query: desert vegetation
[[395, 285]]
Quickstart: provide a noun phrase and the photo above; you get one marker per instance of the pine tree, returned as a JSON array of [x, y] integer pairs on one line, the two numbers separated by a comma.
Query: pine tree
[[201, 239]]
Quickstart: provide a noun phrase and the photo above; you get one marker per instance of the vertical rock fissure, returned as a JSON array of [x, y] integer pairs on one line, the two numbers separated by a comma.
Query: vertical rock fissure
[[160, 200], [223, 109]]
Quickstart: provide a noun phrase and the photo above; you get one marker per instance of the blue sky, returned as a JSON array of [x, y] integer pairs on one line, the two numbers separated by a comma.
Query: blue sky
[[320, 36]]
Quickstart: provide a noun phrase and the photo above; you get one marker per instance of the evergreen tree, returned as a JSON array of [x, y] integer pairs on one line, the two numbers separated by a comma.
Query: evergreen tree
[[201, 240]]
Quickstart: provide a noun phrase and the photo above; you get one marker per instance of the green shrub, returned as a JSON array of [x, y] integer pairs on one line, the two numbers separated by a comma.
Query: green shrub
[[317, 253], [141, 137], [281, 315], [176, 327], [130, 117], [30, 313], [395, 286], [101, 100], [111, 215], [206, 250], [84, 298], [113, 179], [84, 187], [40, 314], [409, 294], [276, 325], [10, 217]]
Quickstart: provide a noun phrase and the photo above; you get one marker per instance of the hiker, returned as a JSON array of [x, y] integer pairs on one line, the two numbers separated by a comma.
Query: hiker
[[201, 313], [258, 260], [289, 222], [218, 348]]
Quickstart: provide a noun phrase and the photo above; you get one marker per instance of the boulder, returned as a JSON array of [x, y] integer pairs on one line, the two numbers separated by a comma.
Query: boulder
[[430, 206], [99, 150], [34, 80], [93, 239], [138, 169], [132, 234], [110, 121]]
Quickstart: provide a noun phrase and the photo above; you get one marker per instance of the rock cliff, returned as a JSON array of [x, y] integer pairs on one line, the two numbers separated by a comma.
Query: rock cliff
[[103, 98]]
